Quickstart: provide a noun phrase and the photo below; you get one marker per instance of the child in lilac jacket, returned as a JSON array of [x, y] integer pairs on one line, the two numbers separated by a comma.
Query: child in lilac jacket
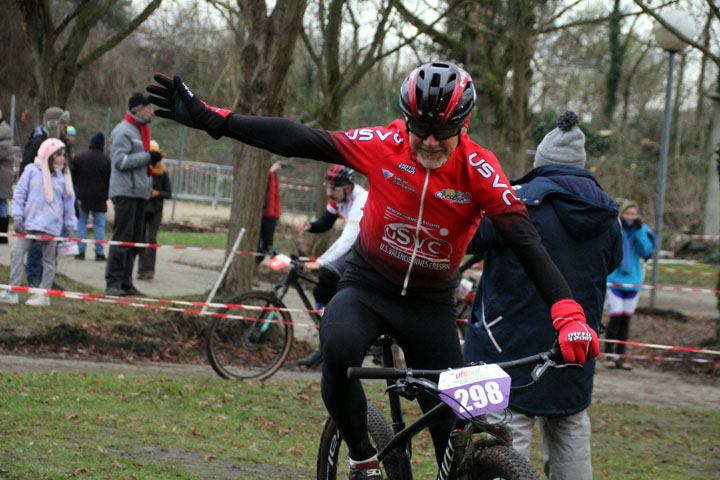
[[44, 204]]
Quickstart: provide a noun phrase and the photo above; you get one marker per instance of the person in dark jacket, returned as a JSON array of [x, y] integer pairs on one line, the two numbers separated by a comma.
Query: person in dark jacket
[[161, 190], [54, 125], [91, 176], [7, 161], [577, 222]]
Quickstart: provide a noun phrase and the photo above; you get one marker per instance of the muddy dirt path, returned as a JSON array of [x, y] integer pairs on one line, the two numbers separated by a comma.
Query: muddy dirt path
[[639, 386]]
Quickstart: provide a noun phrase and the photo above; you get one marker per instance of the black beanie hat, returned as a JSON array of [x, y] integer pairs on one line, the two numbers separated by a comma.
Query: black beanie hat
[[97, 139], [137, 101]]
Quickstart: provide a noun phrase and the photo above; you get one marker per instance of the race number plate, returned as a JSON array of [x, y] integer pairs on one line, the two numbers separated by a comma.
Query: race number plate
[[278, 262], [476, 390]]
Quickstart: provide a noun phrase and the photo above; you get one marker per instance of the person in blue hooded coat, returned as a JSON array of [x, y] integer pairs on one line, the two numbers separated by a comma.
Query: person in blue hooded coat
[[638, 244], [579, 227]]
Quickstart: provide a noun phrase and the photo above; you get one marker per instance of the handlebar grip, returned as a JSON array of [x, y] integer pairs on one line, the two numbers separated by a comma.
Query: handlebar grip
[[556, 354], [375, 373]]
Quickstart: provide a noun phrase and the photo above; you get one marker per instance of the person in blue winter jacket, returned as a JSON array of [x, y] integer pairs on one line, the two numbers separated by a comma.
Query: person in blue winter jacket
[[577, 222], [638, 243], [43, 204]]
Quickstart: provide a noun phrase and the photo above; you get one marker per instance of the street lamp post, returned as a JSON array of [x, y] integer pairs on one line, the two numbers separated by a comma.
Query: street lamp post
[[666, 40]]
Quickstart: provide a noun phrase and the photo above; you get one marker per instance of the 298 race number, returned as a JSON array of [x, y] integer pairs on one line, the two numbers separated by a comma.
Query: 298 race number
[[476, 390]]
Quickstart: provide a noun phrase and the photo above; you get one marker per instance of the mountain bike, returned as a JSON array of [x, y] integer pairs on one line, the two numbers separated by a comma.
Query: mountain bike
[[477, 449], [256, 345]]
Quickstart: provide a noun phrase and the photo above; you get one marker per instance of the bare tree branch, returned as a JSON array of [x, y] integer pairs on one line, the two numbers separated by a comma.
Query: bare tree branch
[[119, 36], [714, 9], [65, 21], [440, 37], [675, 32]]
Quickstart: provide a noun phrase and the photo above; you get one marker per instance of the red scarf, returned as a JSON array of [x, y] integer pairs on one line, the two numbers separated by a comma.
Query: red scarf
[[144, 134]]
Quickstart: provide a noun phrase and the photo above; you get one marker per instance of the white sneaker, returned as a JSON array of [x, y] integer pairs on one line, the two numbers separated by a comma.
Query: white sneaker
[[7, 296], [38, 300]]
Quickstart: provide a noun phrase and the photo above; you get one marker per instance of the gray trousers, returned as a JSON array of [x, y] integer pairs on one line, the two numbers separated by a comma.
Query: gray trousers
[[49, 255], [565, 441]]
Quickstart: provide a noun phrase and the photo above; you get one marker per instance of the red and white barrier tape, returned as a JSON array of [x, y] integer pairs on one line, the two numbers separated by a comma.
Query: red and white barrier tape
[[660, 287], [698, 237], [685, 272], [660, 359], [290, 186], [128, 301], [479, 266], [124, 301], [662, 347]]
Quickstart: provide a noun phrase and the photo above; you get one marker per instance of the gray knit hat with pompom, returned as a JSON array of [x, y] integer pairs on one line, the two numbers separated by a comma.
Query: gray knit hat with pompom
[[563, 146]]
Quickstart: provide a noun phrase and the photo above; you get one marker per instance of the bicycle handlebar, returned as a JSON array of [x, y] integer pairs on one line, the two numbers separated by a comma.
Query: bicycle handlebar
[[397, 373]]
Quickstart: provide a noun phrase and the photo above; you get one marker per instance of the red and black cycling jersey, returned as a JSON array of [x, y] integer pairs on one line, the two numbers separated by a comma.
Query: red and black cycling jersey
[[417, 223]]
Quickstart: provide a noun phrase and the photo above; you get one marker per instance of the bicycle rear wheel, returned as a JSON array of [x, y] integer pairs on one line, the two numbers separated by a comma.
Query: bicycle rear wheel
[[332, 462], [498, 462], [253, 348]]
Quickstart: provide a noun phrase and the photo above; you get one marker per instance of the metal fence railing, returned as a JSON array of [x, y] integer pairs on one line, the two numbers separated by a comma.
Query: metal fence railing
[[200, 181]]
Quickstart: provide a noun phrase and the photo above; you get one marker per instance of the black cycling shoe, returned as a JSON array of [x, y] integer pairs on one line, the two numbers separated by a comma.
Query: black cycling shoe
[[365, 471], [313, 360]]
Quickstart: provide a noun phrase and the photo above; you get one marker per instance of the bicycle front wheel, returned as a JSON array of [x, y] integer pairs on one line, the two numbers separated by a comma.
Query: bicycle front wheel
[[332, 462], [252, 347], [498, 462]]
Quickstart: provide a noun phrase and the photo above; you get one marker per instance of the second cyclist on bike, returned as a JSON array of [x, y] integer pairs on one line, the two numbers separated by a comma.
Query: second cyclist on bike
[[346, 200]]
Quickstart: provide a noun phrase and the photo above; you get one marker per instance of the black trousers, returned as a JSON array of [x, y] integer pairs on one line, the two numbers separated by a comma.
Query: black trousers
[[424, 328], [328, 278], [146, 256], [128, 226], [618, 329], [267, 235]]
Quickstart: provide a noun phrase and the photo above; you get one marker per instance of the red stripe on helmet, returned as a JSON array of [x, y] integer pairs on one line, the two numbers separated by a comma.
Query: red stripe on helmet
[[460, 83], [412, 82]]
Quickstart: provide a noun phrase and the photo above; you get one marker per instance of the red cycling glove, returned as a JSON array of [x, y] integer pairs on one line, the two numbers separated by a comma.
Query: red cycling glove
[[179, 103], [578, 342]]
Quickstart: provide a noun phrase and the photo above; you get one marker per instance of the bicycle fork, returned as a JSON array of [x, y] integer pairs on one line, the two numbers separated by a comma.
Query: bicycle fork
[[455, 465]]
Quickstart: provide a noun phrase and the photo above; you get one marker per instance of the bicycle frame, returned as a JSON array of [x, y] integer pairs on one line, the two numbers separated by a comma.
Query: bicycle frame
[[292, 279], [459, 450]]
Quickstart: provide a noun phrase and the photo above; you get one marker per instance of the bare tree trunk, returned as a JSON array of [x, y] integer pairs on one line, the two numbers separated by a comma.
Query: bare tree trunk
[[265, 44]]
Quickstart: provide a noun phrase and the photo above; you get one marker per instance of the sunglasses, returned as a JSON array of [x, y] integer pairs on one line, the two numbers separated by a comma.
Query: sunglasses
[[439, 131], [334, 189]]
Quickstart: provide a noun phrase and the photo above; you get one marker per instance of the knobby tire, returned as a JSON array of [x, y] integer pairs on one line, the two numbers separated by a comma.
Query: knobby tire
[[239, 349], [333, 465], [498, 462]]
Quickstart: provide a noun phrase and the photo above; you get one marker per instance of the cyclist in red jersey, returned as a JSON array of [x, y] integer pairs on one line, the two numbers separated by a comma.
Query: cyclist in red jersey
[[429, 187]]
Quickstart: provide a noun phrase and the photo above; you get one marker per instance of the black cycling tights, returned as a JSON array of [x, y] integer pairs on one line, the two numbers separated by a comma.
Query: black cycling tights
[[352, 322]]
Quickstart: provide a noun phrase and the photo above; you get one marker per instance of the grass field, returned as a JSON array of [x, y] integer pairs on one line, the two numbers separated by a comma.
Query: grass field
[[96, 426]]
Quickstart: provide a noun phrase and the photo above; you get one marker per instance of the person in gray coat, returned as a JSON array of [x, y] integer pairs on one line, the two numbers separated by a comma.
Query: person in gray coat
[[130, 185], [6, 174]]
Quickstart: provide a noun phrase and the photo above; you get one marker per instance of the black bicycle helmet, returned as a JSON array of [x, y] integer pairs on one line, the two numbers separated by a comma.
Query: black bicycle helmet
[[438, 92], [339, 176]]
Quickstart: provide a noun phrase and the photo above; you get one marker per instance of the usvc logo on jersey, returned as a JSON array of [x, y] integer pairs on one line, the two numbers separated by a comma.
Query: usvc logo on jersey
[[453, 196], [407, 168], [387, 174]]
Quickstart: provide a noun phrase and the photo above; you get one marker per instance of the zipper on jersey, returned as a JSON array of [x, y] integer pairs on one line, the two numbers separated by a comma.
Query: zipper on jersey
[[417, 234]]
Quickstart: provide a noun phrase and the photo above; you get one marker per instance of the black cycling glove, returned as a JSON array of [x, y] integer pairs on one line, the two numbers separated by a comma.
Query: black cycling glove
[[179, 103]]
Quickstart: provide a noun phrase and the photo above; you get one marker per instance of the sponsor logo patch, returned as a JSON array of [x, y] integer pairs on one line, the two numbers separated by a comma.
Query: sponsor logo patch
[[387, 174], [407, 168], [453, 196]]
